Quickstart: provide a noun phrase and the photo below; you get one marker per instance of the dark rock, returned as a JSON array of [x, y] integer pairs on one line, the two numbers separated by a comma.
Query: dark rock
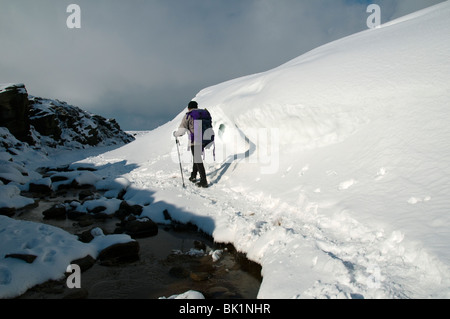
[[167, 215], [58, 178], [28, 118], [84, 263], [217, 292], [74, 294], [52, 287], [76, 185], [77, 216], [14, 111], [47, 125], [85, 221], [40, 189], [65, 124], [126, 209], [141, 228], [200, 276], [119, 253], [199, 245], [84, 194], [7, 211], [97, 210], [101, 216], [56, 212], [179, 272], [5, 181], [89, 169], [25, 257], [86, 236]]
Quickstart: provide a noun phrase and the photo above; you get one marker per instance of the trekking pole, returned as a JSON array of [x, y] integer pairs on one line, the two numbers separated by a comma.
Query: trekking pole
[[179, 159]]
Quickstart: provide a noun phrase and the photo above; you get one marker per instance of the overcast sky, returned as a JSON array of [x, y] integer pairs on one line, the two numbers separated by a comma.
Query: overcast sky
[[142, 61]]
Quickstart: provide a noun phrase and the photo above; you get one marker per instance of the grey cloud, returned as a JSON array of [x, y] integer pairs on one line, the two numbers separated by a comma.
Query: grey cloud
[[150, 57]]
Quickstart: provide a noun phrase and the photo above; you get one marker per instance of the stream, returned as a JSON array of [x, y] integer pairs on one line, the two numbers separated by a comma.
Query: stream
[[176, 260]]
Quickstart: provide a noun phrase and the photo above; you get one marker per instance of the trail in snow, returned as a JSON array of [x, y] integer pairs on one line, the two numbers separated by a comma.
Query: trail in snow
[[303, 253], [332, 169]]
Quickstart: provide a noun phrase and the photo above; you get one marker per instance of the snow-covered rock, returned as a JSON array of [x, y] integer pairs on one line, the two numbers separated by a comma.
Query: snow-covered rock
[[61, 125], [55, 124]]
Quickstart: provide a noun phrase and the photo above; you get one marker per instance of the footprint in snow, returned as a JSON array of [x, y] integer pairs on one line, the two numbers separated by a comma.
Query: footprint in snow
[[415, 200], [380, 174], [346, 185], [303, 171]]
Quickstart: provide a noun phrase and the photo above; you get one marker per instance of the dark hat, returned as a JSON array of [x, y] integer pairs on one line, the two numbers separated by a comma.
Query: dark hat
[[193, 105]]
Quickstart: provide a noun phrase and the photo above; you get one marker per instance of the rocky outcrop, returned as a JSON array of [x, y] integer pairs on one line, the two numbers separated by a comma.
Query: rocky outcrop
[[72, 127], [14, 111], [53, 123]]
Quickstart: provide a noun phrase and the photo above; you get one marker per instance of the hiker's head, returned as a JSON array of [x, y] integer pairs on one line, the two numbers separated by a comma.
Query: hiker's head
[[193, 105]]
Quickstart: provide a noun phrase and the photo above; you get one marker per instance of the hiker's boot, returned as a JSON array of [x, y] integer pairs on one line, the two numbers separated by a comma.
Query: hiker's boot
[[193, 178], [203, 184]]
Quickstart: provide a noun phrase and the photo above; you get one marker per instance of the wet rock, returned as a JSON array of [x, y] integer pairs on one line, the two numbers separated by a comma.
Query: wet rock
[[89, 169], [86, 194], [199, 245], [84, 263], [126, 209], [56, 212], [166, 215], [41, 189], [58, 178], [77, 216], [85, 221], [7, 211], [101, 216], [141, 228], [80, 293], [97, 210], [220, 293], [25, 257], [179, 272], [87, 236], [51, 287], [119, 253], [200, 276]]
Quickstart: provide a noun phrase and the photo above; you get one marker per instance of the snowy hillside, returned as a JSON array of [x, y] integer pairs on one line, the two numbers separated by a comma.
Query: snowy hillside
[[332, 170]]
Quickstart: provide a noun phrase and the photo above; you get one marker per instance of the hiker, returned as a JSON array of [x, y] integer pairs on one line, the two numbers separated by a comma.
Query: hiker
[[197, 145]]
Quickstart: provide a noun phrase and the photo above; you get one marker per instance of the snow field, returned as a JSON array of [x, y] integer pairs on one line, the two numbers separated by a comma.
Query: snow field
[[357, 206], [331, 170]]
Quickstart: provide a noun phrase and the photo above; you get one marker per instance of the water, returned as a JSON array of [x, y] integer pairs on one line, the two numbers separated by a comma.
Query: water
[[162, 273], [166, 267]]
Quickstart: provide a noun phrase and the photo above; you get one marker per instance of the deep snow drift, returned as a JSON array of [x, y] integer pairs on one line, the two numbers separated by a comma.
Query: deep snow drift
[[331, 170]]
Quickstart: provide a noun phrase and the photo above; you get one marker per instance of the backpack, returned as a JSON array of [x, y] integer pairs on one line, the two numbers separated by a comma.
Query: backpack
[[203, 130]]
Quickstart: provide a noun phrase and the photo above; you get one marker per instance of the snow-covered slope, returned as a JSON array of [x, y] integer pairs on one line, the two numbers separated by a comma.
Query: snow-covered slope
[[332, 170]]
